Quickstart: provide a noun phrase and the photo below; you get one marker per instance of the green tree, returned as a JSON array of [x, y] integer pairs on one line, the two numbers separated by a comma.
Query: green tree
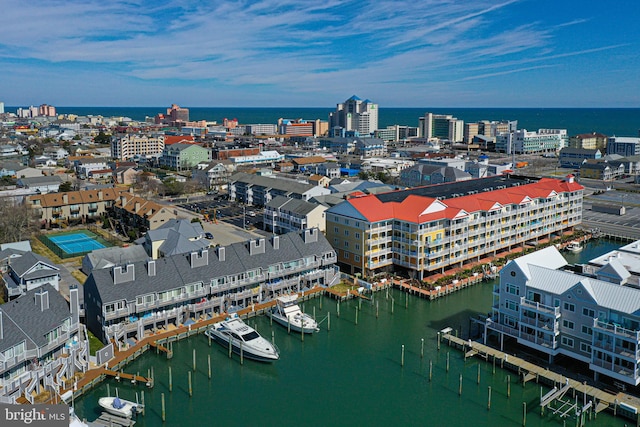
[[102, 138], [65, 186]]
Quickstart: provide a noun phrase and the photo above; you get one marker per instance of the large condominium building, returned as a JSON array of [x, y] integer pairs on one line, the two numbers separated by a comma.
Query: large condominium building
[[72, 206], [260, 190], [524, 142], [428, 229], [355, 115], [488, 129], [592, 318], [184, 156], [589, 141], [624, 146], [441, 127], [127, 301], [130, 146]]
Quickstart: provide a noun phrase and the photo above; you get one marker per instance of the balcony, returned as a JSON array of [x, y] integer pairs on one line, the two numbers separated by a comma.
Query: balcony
[[537, 307], [613, 329]]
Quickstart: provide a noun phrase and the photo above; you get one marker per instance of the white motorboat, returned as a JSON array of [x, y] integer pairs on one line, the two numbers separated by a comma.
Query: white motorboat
[[287, 313], [120, 407], [574, 246], [243, 339]]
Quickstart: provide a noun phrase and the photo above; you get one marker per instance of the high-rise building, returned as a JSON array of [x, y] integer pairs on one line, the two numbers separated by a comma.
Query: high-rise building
[[1, 107], [442, 127], [178, 114], [46, 110], [355, 115]]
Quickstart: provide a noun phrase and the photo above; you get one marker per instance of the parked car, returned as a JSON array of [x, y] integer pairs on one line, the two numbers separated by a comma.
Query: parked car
[[208, 235]]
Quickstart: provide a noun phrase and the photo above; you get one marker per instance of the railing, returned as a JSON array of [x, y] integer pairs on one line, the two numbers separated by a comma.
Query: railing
[[612, 328], [539, 308]]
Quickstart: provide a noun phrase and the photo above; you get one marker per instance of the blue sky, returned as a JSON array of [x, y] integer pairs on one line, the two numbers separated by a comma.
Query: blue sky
[[273, 53]]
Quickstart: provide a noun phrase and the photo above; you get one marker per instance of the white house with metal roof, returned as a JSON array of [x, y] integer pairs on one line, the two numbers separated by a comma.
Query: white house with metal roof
[[592, 319]]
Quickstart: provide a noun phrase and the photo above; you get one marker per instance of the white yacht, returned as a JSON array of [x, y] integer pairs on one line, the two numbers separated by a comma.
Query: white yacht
[[287, 312], [120, 407], [243, 338], [574, 246]]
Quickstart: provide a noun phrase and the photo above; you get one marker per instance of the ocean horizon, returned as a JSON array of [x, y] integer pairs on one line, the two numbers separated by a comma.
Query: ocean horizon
[[609, 121]]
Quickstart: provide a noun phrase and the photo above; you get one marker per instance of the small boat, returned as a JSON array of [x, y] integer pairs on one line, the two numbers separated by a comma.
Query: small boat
[[574, 246], [243, 339], [287, 313], [120, 407]]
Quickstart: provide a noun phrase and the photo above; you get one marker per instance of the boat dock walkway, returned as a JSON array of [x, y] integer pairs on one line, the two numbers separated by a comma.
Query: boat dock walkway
[[528, 371], [159, 341], [108, 420]]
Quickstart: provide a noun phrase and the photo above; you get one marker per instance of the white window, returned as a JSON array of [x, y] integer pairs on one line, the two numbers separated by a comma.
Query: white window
[[568, 324], [567, 341]]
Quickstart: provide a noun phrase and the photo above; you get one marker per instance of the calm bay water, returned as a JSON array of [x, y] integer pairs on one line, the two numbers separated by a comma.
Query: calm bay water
[[610, 121], [350, 376]]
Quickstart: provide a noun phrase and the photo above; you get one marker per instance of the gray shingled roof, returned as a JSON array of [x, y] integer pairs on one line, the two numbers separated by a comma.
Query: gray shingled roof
[[23, 320], [278, 184], [297, 206], [176, 271], [107, 257], [22, 264]]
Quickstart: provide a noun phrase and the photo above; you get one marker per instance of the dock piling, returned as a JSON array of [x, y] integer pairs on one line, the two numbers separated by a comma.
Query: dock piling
[[170, 380], [478, 373], [508, 385], [209, 364], [338, 308], [164, 418], [328, 321], [376, 309], [460, 386], [489, 399], [421, 348], [190, 385], [447, 361], [524, 414], [357, 314], [142, 401], [430, 370], [402, 357], [406, 300], [194, 360]]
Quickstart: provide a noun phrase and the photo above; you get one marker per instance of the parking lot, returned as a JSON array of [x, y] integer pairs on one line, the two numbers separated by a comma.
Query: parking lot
[[216, 211], [617, 225]]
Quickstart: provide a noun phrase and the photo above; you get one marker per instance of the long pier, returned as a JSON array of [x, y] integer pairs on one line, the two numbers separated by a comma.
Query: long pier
[[528, 371]]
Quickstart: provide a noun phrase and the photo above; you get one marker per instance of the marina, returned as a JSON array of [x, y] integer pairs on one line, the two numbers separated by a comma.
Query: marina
[[379, 363]]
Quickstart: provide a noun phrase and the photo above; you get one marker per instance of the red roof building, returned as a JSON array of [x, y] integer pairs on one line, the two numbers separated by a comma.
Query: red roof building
[[412, 230]]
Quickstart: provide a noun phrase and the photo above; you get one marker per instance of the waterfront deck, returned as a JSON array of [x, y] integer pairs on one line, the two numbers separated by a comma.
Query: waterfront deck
[[528, 371], [159, 341]]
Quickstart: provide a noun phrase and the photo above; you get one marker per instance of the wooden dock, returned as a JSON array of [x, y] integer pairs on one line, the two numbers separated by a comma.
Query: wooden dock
[[528, 371], [131, 377], [109, 420]]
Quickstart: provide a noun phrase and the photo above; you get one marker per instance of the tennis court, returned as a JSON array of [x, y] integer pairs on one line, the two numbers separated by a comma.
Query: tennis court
[[74, 243]]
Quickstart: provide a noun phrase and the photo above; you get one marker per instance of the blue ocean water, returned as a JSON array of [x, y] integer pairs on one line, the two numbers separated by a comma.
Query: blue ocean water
[[609, 121]]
